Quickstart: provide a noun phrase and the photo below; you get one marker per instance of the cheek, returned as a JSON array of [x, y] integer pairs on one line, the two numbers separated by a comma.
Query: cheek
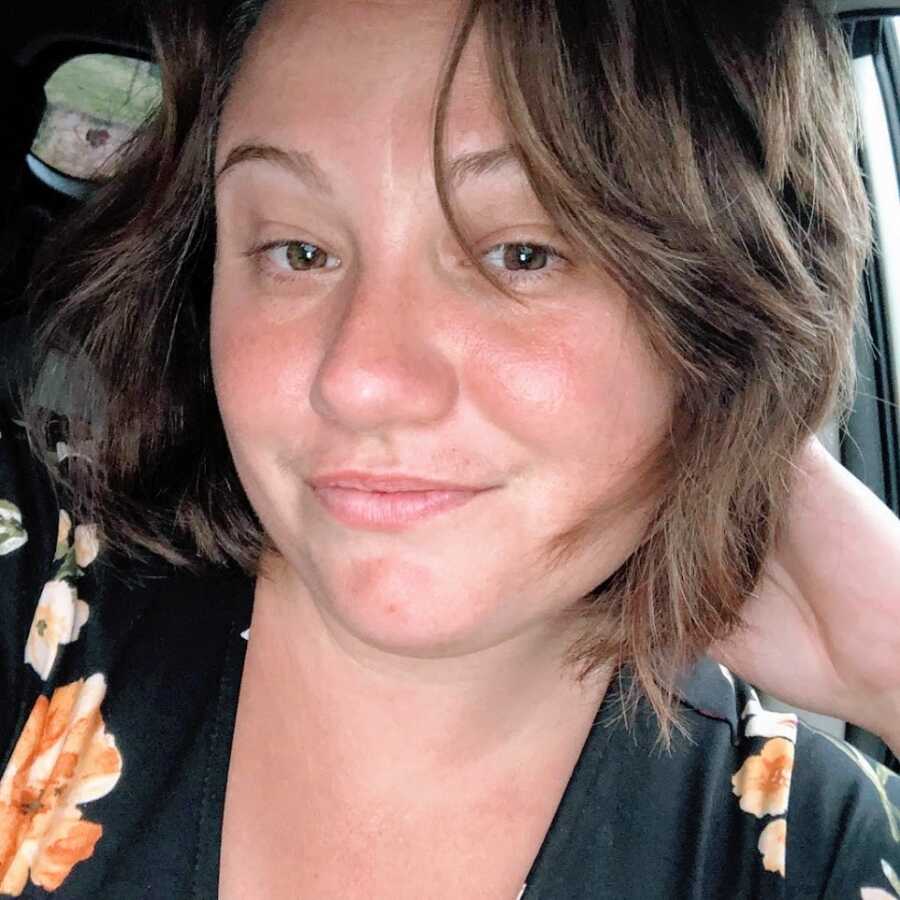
[[261, 370], [582, 390]]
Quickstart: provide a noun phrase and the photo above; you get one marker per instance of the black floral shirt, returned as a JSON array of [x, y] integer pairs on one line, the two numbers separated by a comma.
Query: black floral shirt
[[120, 694]]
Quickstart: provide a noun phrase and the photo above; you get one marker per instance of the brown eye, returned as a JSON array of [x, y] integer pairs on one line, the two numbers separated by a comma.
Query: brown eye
[[301, 256], [527, 257], [525, 263]]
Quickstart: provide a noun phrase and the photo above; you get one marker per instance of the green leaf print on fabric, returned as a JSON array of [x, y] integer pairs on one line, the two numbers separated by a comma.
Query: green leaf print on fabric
[[878, 775], [12, 534]]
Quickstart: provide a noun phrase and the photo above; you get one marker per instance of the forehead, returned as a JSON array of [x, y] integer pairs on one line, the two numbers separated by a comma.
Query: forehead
[[361, 71]]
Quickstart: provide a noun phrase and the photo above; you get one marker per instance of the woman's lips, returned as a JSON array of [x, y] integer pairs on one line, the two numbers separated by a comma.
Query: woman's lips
[[388, 511]]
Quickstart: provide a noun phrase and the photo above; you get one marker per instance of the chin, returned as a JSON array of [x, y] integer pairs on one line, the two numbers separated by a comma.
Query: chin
[[410, 613], [424, 628]]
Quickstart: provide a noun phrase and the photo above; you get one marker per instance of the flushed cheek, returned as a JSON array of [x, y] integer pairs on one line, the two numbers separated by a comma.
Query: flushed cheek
[[549, 394], [261, 372]]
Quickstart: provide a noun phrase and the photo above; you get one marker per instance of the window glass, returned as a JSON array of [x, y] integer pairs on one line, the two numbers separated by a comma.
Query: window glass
[[94, 103]]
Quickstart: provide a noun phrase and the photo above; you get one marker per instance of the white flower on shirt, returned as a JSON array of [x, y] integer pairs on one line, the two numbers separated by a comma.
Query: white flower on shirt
[[762, 722], [12, 534], [771, 845], [57, 620]]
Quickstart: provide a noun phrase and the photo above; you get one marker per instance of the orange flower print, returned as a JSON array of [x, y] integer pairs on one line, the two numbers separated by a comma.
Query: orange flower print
[[763, 782], [772, 843], [86, 544], [64, 757], [62, 533]]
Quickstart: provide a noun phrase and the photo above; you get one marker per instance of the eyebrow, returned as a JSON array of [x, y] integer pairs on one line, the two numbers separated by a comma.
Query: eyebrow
[[480, 162], [302, 165]]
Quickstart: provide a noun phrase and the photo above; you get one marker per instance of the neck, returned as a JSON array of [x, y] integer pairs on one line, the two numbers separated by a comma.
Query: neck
[[380, 717]]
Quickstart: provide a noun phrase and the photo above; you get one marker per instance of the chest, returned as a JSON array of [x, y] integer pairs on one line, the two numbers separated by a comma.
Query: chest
[[289, 828], [327, 860], [276, 845]]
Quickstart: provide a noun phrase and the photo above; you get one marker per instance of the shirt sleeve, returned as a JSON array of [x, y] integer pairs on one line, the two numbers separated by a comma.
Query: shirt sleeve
[[843, 822]]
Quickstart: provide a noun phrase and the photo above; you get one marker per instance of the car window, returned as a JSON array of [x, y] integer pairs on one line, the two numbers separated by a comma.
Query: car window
[[94, 104]]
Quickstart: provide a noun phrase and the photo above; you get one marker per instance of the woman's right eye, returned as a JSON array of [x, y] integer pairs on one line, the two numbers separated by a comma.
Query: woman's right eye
[[287, 259]]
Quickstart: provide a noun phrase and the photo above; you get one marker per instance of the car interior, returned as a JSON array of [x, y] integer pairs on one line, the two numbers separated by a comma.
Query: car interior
[[75, 85]]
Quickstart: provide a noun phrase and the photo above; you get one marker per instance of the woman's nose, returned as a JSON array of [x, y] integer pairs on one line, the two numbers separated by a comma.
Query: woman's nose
[[384, 367]]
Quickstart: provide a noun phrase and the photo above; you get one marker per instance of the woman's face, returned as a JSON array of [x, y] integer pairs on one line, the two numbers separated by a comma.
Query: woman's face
[[349, 332]]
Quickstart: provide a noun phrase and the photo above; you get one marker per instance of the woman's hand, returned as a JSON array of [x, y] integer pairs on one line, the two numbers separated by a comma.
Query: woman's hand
[[823, 627]]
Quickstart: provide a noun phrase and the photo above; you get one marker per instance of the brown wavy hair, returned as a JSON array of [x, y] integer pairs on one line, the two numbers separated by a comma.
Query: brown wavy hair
[[703, 153]]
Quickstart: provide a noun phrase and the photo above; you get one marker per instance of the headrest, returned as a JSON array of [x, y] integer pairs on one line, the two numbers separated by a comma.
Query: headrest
[[22, 107]]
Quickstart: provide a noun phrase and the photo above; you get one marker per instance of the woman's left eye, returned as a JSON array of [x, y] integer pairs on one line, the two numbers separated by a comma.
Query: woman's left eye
[[522, 260]]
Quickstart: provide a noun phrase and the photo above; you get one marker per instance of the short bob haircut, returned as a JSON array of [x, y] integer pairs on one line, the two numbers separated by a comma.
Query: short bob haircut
[[701, 153]]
